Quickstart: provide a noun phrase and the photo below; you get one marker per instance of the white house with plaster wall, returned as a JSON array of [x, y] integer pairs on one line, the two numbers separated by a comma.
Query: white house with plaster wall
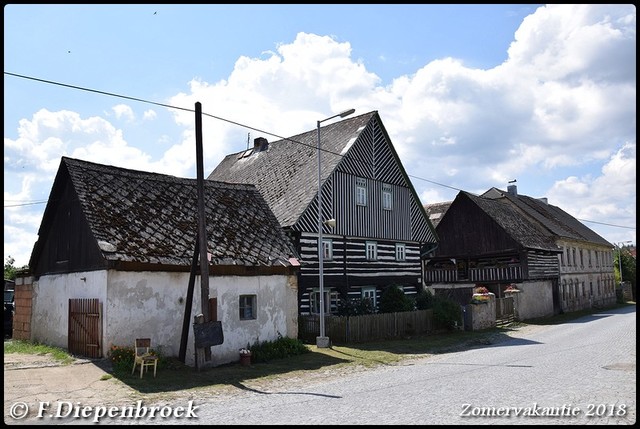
[[152, 304], [126, 239]]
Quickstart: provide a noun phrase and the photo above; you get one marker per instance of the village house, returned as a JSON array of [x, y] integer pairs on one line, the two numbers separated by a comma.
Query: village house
[[505, 241], [374, 227], [114, 259]]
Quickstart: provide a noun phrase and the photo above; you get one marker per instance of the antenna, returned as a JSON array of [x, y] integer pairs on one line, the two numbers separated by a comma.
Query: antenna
[[513, 181], [248, 139]]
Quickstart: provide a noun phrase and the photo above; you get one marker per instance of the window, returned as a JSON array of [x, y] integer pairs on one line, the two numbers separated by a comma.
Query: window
[[401, 252], [370, 294], [327, 250], [247, 307], [361, 191], [314, 301], [387, 197], [372, 250]]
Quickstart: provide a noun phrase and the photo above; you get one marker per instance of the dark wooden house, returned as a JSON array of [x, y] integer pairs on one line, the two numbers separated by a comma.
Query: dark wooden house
[[502, 239], [381, 229]]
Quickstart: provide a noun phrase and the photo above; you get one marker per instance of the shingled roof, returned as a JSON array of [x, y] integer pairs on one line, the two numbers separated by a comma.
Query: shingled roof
[[138, 216], [286, 171], [552, 218], [518, 227], [435, 211]]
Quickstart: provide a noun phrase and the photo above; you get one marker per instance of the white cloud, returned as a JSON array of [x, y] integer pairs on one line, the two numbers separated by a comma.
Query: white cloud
[[564, 99], [150, 115], [123, 111]]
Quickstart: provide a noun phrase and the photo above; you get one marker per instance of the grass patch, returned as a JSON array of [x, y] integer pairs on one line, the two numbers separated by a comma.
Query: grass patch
[[179, 377], [34, 348]]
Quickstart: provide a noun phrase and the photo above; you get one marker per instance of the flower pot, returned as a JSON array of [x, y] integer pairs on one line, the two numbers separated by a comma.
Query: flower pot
[[245, 359]]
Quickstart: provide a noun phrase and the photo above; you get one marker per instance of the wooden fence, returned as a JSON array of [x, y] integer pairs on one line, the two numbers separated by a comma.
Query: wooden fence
[[369, 327], [505, 311]]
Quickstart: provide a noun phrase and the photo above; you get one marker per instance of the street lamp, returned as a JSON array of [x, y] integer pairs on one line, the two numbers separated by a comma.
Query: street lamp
[[619, 246], [323, 341]]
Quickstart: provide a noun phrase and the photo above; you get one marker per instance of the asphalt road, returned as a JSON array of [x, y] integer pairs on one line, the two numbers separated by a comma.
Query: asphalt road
[[580, 372]]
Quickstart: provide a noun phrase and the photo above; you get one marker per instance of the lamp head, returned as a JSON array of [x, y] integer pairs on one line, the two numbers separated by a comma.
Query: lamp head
[[347, 113], [331, 223]]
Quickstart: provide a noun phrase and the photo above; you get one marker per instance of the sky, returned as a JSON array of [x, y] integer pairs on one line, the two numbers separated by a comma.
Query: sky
[[472, 96]]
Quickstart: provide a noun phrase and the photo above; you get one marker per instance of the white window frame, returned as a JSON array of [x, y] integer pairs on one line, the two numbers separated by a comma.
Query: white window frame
[[371, 250], [327, 249], [370, 292], [361, 191], [387, 197], [247, 307], [401, 252]]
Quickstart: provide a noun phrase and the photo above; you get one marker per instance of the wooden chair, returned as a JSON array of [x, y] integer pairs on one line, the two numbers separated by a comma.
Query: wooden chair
[[143, 356]]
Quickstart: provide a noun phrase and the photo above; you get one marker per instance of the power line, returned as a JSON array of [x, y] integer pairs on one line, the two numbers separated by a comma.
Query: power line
[[26, 204], [607, 224], [111, 94]]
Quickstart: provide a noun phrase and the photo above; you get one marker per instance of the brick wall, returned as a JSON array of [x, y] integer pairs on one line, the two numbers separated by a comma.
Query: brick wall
[[22, 312]]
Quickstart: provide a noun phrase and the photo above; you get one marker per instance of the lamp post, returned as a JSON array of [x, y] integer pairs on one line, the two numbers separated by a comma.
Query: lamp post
[[323, 341], [619, 246]]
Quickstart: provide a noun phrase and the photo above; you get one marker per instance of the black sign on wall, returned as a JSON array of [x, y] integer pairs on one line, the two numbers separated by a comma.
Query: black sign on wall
[[208, 334]]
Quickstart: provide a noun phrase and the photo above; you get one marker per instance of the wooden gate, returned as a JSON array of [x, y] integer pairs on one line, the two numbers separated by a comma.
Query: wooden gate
[[85, 327], [505, 311]]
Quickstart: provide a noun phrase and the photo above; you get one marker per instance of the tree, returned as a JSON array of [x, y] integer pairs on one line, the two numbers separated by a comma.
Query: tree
[[424, 299], [628, 268], [10, 270], [393, 300]]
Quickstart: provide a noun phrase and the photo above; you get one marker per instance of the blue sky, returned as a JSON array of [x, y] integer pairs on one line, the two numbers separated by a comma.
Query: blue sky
[[472, 95]]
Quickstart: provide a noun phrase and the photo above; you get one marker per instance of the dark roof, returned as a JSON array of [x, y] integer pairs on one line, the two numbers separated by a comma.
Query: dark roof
[[555, 220], [517, 226], [288, 167], [147, 217]]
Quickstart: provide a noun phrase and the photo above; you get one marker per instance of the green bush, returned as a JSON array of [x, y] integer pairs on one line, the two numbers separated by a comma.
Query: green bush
[[277, 349], [424, 299], [446, 312], [355, 307], [393, 300], [121, 358]]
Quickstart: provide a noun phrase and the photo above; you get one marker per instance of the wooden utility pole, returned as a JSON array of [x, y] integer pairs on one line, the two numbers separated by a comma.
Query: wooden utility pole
[[189, 303], [202, 227]]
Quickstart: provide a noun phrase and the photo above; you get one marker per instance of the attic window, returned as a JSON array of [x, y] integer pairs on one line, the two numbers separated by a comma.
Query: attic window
[[361, 191], [387, 197]]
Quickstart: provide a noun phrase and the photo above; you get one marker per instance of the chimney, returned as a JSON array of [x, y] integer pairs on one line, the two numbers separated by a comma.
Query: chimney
[[512, 190], [260, 144]]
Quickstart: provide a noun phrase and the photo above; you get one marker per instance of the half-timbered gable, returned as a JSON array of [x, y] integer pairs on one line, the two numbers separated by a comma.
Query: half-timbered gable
[[381, 227]]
